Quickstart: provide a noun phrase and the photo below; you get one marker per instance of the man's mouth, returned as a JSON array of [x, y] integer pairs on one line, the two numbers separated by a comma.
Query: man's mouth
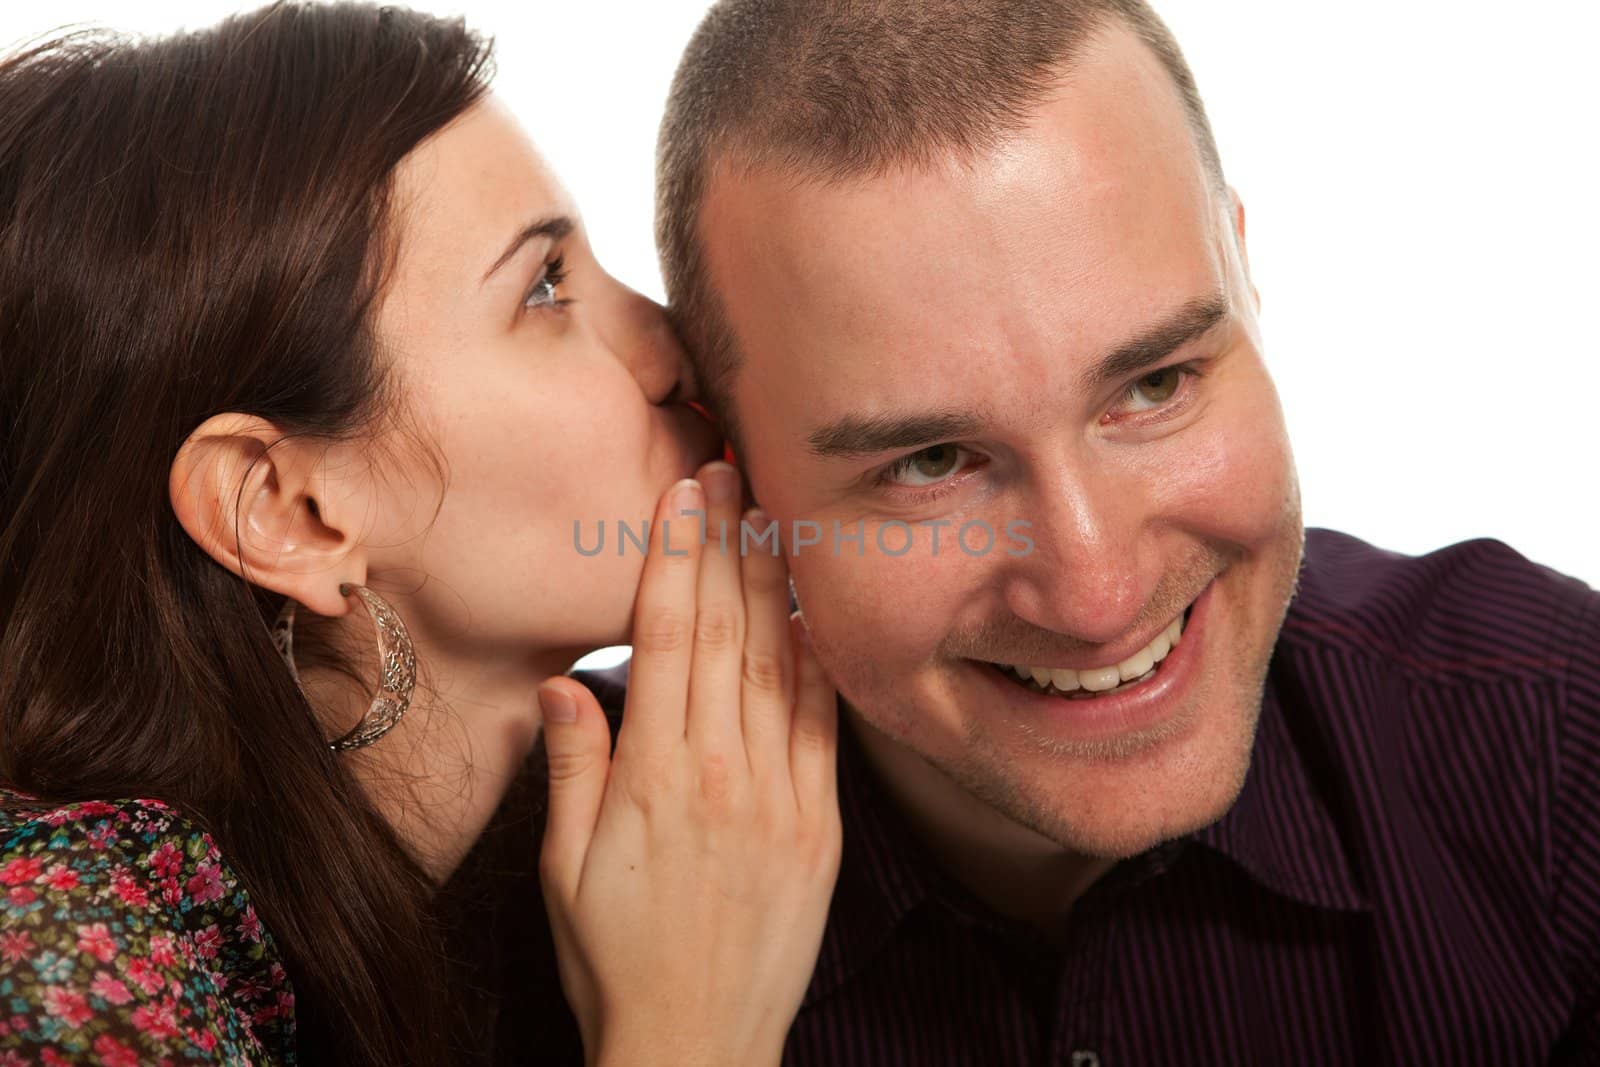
[[1089, 683]]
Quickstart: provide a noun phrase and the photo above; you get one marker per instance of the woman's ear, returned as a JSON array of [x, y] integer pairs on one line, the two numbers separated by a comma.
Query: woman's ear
[[259, 503]]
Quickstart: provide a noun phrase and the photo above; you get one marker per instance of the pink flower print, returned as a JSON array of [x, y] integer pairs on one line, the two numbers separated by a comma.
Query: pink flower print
[[109, 989], [97, 941], [249, 988], [250, 925], [167, 860], [51, 1058], [159, 1020], [22, 869], [146, 977], [61, 878], [207, 941], [103, 836], [206, 885], [68, 1005], [114, 1053], [161, 953], [16, 945], [205, 1040], [129, 888], [97, 807]]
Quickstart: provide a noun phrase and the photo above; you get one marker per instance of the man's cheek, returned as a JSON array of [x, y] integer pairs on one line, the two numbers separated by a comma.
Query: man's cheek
[[1234, 483], [884, 609]]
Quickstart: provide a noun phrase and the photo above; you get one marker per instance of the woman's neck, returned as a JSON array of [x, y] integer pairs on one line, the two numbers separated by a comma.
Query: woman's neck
[[439, 775]]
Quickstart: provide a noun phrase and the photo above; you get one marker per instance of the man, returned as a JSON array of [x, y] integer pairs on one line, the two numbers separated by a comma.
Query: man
[[1172, 782]]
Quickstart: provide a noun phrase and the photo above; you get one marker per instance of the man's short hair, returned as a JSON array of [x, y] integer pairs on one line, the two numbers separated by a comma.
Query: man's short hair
[[834, 89]]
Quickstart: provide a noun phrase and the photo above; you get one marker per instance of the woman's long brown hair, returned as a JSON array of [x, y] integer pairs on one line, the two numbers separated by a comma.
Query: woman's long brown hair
[[194, 225]]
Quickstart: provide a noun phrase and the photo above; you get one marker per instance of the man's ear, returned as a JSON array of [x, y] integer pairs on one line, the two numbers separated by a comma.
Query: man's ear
[[257, 502], [1236, 217]]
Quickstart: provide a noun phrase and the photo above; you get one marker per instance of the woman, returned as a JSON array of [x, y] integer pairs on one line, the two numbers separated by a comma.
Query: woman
[[300, 342]]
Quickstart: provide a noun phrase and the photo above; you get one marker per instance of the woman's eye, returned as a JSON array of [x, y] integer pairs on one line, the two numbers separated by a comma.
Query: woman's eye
[[1154, 389], [928, 467], [546, 292]]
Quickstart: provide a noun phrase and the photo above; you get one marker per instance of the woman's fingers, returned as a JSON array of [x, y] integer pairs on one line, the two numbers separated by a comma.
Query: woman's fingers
[[663, 624], [719, 631], [814, 733], [767, 677], [578, 743]]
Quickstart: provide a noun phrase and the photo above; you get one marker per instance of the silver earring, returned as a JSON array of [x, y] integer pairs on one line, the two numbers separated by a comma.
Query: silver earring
[[396, 656]]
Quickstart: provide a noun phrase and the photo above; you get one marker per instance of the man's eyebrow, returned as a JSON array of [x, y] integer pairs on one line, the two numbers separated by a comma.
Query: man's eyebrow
[[1157, 343], [856, 435], [554, 227]]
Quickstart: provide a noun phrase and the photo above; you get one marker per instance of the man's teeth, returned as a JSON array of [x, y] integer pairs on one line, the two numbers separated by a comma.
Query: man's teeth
[[1101, 679]]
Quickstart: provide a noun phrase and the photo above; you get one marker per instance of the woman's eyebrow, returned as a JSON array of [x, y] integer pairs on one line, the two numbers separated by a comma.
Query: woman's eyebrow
[[554, 227]]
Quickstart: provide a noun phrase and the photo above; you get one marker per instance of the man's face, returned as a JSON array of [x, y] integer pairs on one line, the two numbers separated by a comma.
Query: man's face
[[931, 346]]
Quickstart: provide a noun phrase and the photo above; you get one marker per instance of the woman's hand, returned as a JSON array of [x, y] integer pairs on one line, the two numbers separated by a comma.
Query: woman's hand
[[688, 877]]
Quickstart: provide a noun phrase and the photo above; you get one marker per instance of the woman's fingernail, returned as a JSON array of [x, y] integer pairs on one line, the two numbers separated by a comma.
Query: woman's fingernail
[[557, 705], [721, 481], [688, 495]]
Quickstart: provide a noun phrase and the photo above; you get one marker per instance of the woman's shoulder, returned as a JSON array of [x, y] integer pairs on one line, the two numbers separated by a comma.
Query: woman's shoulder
[[126, 937]]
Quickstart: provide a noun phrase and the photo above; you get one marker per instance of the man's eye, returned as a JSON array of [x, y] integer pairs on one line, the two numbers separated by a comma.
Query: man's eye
[[1154, 389], [546, 292], [928, 467]]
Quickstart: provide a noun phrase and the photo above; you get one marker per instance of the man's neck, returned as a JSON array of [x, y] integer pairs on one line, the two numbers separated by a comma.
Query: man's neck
[[1013, 869]]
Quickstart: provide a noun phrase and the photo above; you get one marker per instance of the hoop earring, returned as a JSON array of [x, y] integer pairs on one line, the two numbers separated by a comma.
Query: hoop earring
[[398, 672]]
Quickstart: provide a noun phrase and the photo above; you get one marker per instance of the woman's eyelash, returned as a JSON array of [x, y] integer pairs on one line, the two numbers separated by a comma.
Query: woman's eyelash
[[549, 282]]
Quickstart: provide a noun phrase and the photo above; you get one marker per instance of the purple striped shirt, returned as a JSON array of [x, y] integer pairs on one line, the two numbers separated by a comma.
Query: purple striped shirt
[[1411, 873]]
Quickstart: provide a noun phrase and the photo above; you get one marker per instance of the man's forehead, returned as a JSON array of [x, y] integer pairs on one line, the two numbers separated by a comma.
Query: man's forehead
[[876, 293]]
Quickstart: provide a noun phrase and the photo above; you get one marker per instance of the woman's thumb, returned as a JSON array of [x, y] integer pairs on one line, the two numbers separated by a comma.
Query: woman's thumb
[[578, 743]]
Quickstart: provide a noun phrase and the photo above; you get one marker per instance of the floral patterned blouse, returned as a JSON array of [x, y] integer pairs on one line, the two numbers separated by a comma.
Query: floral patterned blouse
[[126, 940]]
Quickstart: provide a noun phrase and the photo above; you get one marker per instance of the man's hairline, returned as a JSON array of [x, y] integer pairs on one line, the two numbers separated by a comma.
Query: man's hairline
[[738, 156]]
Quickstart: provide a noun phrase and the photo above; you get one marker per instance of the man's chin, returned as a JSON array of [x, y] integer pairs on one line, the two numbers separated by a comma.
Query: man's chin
[[1116, 832], [1178, 784]]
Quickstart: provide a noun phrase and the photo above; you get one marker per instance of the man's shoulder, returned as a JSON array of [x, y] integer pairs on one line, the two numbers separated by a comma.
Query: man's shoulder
[[1476, 611]]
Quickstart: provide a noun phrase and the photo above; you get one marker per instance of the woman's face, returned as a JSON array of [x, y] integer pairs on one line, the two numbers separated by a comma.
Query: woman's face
[[551, 392]]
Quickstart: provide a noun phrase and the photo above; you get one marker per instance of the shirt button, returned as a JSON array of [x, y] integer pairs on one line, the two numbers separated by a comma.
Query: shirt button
[[1084, 1057]]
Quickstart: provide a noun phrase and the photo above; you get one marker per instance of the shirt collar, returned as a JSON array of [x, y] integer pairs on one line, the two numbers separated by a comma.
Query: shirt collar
[[1281, 833], [1282, 829], [883, 874]]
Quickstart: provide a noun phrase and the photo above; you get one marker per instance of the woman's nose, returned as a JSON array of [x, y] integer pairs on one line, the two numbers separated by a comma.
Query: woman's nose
[[643, 338]]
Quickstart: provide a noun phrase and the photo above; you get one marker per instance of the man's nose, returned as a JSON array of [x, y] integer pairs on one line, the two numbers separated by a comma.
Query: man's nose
[[1087, 576]]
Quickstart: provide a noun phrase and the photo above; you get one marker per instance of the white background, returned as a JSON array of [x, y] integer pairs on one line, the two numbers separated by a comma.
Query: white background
[[1420, 184]]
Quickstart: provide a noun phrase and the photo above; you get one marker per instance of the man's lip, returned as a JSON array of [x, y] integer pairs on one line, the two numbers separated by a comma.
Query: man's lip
[[1126, 710], [1108, 657]]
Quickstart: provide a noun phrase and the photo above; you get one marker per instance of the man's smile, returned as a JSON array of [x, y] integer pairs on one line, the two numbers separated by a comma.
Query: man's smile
[[1091, 703], [1089, 682]]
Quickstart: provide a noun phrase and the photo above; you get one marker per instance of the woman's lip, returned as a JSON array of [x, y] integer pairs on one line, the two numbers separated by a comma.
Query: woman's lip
[[1136, 708]]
